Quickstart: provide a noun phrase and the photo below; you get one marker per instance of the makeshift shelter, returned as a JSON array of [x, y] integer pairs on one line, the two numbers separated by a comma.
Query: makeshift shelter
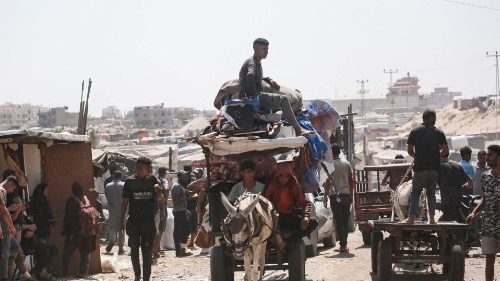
[[59, 160]]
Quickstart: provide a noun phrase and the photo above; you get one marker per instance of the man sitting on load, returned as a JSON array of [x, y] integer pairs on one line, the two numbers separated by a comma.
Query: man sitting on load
[[250, 79], [248, 183], [285, 193]]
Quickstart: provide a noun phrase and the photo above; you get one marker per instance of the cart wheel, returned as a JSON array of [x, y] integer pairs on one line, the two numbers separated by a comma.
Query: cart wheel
[[376, 237], [367, 239], [220, 265], [296, 261], [384, 260], [456, 267]]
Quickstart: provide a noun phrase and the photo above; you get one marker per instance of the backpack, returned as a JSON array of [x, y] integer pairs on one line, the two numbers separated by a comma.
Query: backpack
[[89, 218]]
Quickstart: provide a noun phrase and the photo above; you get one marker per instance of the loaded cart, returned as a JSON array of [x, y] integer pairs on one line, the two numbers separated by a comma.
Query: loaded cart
[[223, 156], [418, 243]]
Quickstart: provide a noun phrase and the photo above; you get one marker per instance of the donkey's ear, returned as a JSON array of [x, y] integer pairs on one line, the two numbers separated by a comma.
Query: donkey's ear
[[250, 207], [230, 208]]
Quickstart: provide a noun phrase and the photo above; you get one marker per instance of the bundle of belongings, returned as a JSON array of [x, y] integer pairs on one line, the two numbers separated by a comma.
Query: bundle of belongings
[[245, 116]]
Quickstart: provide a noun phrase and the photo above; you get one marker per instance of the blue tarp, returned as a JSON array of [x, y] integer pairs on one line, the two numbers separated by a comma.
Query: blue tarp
[[316, 142]]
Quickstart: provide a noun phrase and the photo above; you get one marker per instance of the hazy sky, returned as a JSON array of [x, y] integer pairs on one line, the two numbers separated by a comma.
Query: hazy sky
[[180, 52]]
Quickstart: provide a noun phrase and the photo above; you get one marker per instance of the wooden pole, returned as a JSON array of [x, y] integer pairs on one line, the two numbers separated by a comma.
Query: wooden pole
[[86, 108]]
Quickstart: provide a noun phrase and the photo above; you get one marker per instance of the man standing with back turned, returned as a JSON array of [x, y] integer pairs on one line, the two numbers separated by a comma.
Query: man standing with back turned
[[426, 144], [251, 76], [139, 195]]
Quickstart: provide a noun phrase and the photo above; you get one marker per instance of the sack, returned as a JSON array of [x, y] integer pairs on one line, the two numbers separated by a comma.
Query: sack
[[89, 219], [204, 239]]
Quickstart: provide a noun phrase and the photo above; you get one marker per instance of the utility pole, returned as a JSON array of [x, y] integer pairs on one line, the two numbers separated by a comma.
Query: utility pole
[[391, 102], [362, 92], [497, 88]]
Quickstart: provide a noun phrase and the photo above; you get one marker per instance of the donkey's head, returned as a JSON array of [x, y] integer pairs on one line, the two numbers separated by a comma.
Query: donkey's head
[[238, 226]]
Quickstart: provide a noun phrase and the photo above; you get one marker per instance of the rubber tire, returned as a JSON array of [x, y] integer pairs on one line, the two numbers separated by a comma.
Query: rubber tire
[[376, 238], [220, 265], [384, 260], [456, 267], [296, 261], [367, 238]]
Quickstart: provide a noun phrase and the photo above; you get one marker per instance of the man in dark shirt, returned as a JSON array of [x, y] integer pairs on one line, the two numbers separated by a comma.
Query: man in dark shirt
[[426, 144], [451, 181], [250, 78], [139, 196]]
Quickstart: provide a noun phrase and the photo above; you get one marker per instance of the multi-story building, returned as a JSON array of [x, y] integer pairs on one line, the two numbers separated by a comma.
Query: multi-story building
[[19, 115], [441, 97], [58, 117], [158, 116], [404, 94], [151, 116], [111, 112]]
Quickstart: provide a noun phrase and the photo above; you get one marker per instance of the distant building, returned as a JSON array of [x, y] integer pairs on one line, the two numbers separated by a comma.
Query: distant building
[[441, 97], [158, 116], [370, 104], [58, 117], [154, 116], [404, 94], [111, 112], [19, 115]]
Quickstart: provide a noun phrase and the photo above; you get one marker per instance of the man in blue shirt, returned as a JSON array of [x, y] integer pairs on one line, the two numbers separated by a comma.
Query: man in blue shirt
[[466, 153]]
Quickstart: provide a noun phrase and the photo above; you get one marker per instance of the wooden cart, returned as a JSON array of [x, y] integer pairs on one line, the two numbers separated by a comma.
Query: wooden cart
[[372, 202], [417, 243]]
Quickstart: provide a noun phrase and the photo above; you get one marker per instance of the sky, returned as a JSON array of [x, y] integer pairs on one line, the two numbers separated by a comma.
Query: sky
[[180, 52]]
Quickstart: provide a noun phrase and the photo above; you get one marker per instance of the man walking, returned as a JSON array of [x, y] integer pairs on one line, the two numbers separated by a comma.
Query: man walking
[[181, 216], [250, 79], [161, 210], [481, 168], [139, 196], [490, 231], [113, 194], [340, 203], [426, 144]]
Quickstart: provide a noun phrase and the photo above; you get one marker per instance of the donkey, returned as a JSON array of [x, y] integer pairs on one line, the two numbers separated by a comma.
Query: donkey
[[247, 228]]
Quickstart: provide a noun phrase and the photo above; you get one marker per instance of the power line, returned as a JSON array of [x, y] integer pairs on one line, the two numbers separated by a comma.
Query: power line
[[473, 5]]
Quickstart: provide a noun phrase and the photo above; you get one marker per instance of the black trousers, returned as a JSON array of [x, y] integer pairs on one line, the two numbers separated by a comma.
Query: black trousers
[[341, 212], [181, 229], [43, 252], [70, 245], [292, 223], [452, 212], [141, 234]]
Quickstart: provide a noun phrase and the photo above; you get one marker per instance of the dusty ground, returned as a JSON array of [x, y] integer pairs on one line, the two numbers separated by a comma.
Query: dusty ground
[[329, 265]]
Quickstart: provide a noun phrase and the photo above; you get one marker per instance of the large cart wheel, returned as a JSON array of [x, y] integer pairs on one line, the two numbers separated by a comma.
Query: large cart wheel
[[376, 238], [384, 260], [221, 267], [367, 239], [296, 261], [456, 267]]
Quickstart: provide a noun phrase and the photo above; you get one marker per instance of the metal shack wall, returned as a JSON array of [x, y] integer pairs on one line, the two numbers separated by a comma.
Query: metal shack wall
[[63, 165]]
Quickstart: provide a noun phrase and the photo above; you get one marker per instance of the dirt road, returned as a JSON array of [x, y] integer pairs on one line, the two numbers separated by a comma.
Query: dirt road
[[329, 265]]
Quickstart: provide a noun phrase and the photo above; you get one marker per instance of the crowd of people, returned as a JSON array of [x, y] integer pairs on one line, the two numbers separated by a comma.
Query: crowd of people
[[433, 169], [25, 229]]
